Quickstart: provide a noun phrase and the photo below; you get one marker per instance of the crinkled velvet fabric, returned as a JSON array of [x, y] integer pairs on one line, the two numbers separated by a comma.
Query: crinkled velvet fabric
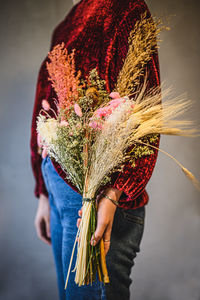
[[99, 32]]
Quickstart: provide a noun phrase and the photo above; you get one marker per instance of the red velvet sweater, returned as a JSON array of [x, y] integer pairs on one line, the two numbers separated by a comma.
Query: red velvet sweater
[[99, 31]]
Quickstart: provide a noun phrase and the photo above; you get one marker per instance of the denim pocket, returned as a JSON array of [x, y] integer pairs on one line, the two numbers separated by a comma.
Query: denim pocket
[[134, 215], [130, 229]]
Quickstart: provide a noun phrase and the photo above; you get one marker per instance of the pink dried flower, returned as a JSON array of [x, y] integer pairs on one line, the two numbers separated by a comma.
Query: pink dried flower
[[45, 104], [114, 95], [102, 112], [97, 119], [64, 123], [116, 102], [79, 126], [95, 125], [78, 110], [107, 110]]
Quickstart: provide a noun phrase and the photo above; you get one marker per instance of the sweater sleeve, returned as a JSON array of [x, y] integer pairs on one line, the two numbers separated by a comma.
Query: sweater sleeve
[[43, 91], [133, 180], [36, 158]]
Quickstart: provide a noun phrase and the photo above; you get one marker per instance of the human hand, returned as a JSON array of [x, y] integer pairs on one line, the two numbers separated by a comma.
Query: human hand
[[42, 219], [105, 216]]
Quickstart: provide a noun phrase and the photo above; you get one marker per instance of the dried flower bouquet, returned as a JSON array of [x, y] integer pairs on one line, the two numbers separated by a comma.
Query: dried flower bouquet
[[91, 132]]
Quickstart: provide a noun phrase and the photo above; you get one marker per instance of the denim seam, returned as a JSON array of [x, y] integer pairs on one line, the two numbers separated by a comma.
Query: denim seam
[[45, 173]]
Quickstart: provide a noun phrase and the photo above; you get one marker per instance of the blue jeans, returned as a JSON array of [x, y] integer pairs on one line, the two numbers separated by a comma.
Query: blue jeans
[[127, 232]]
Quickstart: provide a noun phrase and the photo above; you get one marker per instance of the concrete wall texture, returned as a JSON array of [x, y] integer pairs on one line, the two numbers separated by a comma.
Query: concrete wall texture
[[168, 266]]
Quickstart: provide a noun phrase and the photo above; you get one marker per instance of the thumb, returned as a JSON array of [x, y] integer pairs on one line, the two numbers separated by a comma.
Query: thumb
[[48, 232], [101, 227]]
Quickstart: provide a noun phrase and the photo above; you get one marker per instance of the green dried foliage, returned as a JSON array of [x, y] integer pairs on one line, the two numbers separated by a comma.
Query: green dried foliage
[[138, 150]]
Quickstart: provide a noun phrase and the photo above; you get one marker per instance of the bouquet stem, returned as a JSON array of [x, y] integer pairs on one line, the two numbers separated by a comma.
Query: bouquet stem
[[90, 260], [103, 262]]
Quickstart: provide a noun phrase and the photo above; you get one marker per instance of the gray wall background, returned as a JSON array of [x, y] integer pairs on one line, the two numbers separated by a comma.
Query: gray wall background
[[168, 266]]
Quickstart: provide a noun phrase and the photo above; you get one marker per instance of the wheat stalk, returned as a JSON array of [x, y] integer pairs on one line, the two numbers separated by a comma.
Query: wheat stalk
[[189, 175]]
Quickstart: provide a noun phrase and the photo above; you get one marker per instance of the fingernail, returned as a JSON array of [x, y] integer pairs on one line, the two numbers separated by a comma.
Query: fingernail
[[93, 242]]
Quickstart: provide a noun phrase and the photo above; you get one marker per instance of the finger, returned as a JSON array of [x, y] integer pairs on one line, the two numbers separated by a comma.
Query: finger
[[106, 238], [37, 226], [41, 232], [45, 240], [44, 236], [101, 226], [78, 222], [48, 231], [80, 212]]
